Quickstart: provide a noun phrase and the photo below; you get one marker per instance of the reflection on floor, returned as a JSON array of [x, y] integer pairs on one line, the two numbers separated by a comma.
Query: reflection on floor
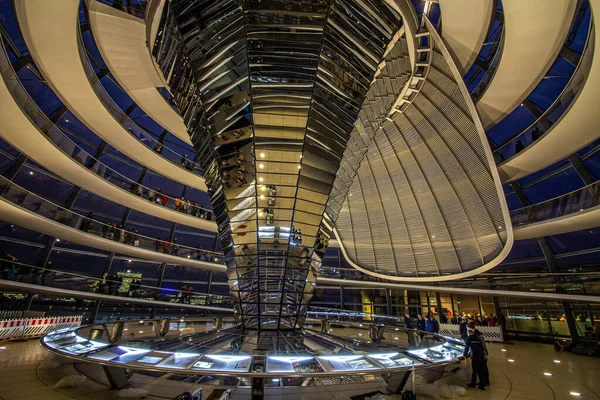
[[25, 375]]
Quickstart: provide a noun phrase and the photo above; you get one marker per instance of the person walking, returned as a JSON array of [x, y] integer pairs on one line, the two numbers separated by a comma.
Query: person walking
[[114, 233], [421, 325], [105, 229], [407, 323], [174, 247], [103, 283], [462, 329], [476, 350], [435, 325], [121, 233], [86, 223], [165, 246]]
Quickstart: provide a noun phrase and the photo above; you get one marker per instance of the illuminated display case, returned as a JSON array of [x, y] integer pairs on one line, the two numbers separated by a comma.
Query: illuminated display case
[[119, 354], [293, 364], [223, 363], [393, 360], [440, 353], [179, 360], [69, 342], [346, 363]]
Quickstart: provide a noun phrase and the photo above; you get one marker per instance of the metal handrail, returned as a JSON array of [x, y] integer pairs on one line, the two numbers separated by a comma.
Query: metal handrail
[[61, 139], [572, 202], [95, 283], [577, 78], [38, 205], [134, 129], [483, 84]]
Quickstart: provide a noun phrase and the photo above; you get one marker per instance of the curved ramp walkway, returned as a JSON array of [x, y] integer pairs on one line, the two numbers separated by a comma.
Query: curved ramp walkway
[[18, 215], [18, 129], [50, 30], [578, 125], [535, 31], [47, 290], [121, 40], [327, 282], [465, 24], [585, 219], [571, 212]]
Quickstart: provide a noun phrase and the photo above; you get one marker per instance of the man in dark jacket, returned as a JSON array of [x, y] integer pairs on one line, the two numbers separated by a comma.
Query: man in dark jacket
[[421, 323], [477, 351], [407, 322], [462, 328], [435, 325]]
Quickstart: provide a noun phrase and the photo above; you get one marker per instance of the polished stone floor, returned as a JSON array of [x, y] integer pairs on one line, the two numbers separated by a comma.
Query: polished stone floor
[[26, 373]]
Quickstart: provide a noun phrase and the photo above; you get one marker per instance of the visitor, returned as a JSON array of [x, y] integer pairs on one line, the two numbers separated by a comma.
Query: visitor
[[157, 244], [421, 325], [136, 237], [463, 329], [407, 323], [105, 229], [200, 256], [103, 284], [86, 223], [476, 350], [174, 247], [519, 147]]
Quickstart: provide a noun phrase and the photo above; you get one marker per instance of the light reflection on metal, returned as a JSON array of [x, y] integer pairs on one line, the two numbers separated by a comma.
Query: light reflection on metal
[[286, 81]]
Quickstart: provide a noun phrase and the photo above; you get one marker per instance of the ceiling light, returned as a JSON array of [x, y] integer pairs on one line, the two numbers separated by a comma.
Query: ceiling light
[[575, 394], [503, 350], [57, 239], [30, 172], [262, 155], [547, 374], [261, 165], [299, 166], [557, 361], [433, 237], [66, 120], [262, 196], [395, 338], [511, 360], [263, 188], [360, 334], [141, 332], [260, 179], [3, 348]]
